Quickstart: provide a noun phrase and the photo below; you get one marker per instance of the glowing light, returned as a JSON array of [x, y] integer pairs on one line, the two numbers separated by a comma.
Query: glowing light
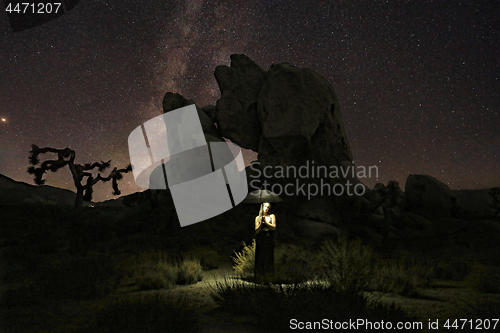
[[4, 120]]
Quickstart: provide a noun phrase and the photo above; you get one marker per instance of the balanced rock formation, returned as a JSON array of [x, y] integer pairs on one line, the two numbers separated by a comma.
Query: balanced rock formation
[[301, 119], [291, 117]]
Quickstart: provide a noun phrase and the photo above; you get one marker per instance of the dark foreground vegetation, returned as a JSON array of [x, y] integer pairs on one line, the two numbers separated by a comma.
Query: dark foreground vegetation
[[115, 279]]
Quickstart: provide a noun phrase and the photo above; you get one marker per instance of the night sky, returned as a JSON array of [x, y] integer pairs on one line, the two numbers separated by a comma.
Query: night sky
[[418, 81]]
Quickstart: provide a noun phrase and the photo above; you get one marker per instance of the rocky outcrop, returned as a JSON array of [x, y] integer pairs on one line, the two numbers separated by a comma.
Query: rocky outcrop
[[291, 117], [475, 204], [301, 119], [427, 196], [236, 110], [211, 112]]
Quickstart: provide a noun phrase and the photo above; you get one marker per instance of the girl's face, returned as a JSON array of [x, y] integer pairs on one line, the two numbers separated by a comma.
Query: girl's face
[[266, 208]]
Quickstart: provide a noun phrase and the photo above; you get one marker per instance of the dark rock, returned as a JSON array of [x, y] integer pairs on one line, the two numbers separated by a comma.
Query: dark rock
[[236, 110], [475, 204], [411, 221], [427, 196], [301, 120], [319, 209], [211, 112], [314, 232]]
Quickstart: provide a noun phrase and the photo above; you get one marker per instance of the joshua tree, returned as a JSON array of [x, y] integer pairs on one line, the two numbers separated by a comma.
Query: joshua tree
[[495, 193], [67, 157]]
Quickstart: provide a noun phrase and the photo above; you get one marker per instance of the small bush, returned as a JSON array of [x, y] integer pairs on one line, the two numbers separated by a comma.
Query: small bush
[[244, 261], [189, 271], [295, 264], [346, 264], [395, 278], [156, 276], [157, 312], [240, 298], [153, 270], [485, 279], [209, 258]]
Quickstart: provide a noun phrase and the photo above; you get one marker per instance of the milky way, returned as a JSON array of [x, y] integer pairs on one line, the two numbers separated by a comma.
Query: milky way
[[417, 81]]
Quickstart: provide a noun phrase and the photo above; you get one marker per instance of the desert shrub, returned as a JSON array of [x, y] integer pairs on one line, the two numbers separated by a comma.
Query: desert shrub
[[189, 271], [156, 276], [209, 258], [403, 276], [396, 278], [241, 298], [347, 264], [91, 276], [244, 261], [295, 263], [157, 312], [484, 279], [152, 270], [304, 302]]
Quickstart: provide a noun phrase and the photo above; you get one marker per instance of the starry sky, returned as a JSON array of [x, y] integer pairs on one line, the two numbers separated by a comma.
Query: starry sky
[[417, 81]]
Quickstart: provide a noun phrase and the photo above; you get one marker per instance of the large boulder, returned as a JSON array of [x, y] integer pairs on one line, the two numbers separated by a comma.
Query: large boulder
[[427, 196], [301, 120], [211, 112], [475, 204], [290, 116], [236, 110]]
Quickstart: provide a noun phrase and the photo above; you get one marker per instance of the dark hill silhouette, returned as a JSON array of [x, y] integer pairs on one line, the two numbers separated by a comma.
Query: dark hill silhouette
[[13, 192]]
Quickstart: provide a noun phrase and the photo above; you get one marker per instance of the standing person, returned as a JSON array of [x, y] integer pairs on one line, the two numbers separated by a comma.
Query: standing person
[[265, 225]]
